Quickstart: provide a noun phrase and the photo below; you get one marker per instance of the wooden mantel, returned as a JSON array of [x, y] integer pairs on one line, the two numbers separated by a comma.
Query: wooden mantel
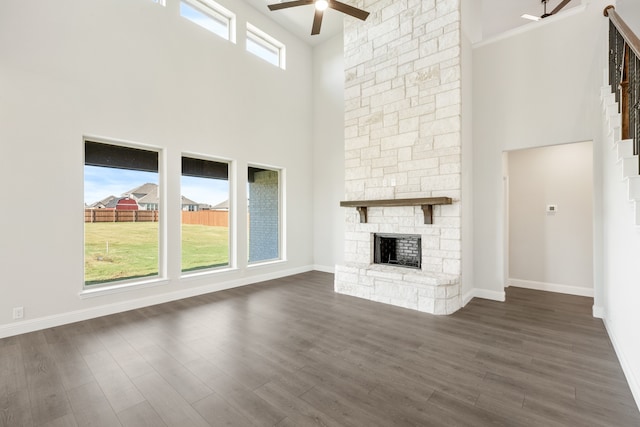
[[425, 202]]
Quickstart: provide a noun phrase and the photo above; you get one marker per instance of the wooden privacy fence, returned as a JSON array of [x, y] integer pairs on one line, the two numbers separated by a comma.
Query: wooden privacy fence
[[212, 218], [117, 215]]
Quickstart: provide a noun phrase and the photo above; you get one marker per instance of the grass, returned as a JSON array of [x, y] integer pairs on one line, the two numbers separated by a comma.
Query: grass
[[127, 250], [204, 246]]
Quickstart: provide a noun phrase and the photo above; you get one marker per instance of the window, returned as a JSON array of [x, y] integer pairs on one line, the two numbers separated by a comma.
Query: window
[[205, 214], [264, 214], [121, 193], [160, 2], [210, 15], [266, 47]]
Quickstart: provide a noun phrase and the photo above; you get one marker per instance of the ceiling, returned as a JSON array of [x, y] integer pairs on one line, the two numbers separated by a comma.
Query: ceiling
[[498, 16]]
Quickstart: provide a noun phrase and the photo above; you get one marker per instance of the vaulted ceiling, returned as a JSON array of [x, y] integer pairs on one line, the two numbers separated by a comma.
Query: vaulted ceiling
[[498, 16]]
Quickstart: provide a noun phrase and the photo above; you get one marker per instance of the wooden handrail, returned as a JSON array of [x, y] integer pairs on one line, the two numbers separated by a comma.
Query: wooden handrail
[[624, 75], [629, 36]]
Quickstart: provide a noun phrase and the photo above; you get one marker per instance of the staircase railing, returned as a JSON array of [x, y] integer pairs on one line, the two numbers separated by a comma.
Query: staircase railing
[[624, 75]]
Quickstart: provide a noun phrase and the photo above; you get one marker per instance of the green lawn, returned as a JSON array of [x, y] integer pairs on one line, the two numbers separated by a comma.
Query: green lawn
[[127, 250], [204, 246]]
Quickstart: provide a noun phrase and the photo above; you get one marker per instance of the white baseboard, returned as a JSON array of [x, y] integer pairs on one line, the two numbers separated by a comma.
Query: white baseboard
[[325, 268], [484, 294], [552, 287], [634, 382], [37, 324], [598, 312]]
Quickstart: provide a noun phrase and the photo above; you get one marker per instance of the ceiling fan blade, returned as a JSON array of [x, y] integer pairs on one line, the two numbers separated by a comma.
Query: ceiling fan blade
[[285, 5], [559, 7], [317, 22], [349, 10]]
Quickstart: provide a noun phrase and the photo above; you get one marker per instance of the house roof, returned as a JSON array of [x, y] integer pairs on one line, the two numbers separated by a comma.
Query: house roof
[[186, 201], [113, 203], [221, 205], [152, 198], [148, 194], [149, 198], [143, 190], [143, 194], [104, 202]]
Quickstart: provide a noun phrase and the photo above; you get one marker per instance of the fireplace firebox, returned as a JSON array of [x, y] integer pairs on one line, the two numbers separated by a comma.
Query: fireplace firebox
[[402, 250]]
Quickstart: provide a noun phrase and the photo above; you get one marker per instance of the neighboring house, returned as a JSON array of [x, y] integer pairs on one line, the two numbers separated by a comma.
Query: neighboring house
[[145, 197], [125, 203], [222, 206], [189, 205], [144, 190], [104, 203], [149, 202]]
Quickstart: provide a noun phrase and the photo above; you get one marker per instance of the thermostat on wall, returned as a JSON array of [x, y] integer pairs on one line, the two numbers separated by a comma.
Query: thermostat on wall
[[552, 209]]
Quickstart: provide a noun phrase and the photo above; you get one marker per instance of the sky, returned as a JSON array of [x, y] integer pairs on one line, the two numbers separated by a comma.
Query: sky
[[221, 28], [205, 21], [100, 182]]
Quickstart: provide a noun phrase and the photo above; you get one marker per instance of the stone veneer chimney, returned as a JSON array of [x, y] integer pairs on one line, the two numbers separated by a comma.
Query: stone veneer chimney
[[403, 140]]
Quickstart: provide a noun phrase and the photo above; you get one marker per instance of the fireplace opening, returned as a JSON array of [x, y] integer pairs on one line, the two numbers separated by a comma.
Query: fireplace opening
[[402, 250]]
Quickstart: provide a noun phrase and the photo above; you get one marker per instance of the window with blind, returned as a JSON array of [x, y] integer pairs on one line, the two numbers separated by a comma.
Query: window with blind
[[122, 194]]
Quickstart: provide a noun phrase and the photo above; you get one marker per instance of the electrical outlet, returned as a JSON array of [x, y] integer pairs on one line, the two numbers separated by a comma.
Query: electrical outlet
[[18, 313]]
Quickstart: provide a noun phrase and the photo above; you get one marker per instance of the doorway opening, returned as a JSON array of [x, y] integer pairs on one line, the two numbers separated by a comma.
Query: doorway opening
[[549, 218]]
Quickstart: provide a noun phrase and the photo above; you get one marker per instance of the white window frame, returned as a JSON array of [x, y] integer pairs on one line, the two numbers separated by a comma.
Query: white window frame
[[233, 238], [268, 42], [218, 12], [136, 283], [160, 2], [282, 216]]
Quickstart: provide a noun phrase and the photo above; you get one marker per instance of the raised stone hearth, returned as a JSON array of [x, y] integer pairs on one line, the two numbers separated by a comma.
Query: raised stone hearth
[[403, 142], [431, 293]]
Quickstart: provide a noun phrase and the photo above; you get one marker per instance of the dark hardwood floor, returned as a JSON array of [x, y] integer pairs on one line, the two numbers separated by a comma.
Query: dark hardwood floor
[[290, 352]]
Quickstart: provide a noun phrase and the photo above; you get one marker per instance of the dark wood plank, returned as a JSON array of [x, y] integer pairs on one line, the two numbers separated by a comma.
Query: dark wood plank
[[12, 375], [291, 352], [140, 415], [218, 412], [115, 384], [167, 403], [297, 410], [180, 378], [68, 420], [91, 407], [73, 369], [46, 390], [15, 409]]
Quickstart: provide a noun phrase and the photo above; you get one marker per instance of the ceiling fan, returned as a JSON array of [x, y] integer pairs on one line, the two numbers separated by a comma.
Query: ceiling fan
[[558, 8], [321, 6]]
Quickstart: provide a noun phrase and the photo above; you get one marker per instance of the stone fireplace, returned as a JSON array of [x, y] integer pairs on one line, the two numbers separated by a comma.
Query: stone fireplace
[[403, 142]]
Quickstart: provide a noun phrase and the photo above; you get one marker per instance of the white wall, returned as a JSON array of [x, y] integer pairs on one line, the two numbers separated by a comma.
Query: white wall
[[133, 70], [621, 252], [471, 30], [552, 251], [629, 10], [328, 153], [533, 89]]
